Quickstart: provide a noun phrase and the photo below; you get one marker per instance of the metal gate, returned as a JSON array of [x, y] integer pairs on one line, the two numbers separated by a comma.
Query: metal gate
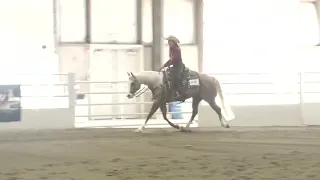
[[108, 67]]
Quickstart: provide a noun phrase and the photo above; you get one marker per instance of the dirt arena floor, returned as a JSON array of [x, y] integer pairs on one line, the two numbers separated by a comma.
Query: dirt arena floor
[[120, 154]]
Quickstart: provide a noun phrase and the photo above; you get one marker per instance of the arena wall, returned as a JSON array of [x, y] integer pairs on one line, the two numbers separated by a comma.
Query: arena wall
[[62, 118], [301, 113], [267, 115]]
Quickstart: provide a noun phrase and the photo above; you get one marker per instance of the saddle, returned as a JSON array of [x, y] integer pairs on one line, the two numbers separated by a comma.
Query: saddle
[[185, 72], [185, 76]]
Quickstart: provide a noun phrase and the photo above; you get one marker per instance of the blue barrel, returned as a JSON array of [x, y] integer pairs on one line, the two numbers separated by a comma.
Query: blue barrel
[[175, 107]]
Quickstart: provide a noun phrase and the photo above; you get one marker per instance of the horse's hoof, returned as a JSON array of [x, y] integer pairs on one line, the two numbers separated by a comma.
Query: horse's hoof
[[227, 126], [138, 130], [182, 129]]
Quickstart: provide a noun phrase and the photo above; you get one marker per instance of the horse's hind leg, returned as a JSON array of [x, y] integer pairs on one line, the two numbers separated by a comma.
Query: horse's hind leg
[[195, 105], [163, 109], [217, 109]]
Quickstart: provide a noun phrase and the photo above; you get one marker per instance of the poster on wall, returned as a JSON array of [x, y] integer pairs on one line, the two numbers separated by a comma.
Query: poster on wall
[[10, 103]]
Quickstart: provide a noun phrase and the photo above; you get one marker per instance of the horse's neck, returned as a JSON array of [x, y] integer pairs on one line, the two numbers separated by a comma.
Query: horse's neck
[[150, 78]]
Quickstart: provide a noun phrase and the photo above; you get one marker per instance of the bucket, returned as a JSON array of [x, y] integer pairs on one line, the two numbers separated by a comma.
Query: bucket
[[175, 107]]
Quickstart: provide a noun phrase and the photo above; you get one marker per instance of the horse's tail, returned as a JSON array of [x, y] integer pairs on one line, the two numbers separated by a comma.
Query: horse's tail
[[226, 109]]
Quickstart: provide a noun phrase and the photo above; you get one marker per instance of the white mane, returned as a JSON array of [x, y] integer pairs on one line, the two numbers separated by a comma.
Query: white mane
[[150, 78]]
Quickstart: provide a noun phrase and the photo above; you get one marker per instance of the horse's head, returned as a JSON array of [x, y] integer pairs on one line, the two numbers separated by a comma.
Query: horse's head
[[133, 85]]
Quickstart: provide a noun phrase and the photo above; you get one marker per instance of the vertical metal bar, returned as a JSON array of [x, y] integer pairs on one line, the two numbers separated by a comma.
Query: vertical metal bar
[[195, 20], [89, 105], [301, 84], [88, 21], [90, 57], [139, 22], [55, 14], [87, 40], [72, 95], [316, 4], [71, 90], [115, 56], [199, 31], [141, 68], [157, 33]]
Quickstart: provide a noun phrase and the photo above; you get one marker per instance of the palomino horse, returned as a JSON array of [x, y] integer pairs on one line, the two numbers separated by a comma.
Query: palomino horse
[[198, 87]]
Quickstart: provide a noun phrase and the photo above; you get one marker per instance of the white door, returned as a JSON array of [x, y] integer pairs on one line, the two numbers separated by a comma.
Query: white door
[[128, 60], [102, 68]]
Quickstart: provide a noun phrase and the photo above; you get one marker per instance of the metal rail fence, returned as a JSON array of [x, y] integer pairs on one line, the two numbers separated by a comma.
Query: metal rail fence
[[298, 88], [294, 87]]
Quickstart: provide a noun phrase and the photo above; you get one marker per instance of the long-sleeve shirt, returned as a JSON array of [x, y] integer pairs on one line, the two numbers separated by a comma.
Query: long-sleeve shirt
[[175, 54]]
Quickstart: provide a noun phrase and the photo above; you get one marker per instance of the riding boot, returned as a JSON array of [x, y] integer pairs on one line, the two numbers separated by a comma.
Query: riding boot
[[178, 94], [181, 94], [175, 91]]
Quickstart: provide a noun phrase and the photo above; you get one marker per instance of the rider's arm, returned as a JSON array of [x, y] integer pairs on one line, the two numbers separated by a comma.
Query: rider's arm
[[168, 63]]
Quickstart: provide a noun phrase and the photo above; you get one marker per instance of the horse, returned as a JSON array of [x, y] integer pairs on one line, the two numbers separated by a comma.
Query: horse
[[198, 86]]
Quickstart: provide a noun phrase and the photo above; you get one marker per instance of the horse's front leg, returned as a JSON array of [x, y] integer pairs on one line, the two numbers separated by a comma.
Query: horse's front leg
[[163, 109], [153, 109]]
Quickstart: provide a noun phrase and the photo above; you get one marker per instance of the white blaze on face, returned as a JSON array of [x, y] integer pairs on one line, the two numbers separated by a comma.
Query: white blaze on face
[[129, 94]]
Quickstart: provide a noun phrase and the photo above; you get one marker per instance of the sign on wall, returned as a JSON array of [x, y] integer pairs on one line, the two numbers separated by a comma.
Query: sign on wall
[[10, 103]]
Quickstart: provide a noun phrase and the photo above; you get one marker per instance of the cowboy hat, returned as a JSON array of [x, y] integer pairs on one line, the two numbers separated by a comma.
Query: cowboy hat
[[172, 38]]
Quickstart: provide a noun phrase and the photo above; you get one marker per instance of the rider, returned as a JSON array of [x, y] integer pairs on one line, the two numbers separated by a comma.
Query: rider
[[176, 61]]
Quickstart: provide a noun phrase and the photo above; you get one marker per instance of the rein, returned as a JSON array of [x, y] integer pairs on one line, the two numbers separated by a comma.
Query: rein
[[140, 92]]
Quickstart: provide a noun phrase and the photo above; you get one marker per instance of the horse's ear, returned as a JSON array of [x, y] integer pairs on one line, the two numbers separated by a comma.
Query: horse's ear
[[128, 74], [133, 75]]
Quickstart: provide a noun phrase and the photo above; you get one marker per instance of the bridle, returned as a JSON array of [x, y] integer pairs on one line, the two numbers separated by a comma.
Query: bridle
[[139, 92]]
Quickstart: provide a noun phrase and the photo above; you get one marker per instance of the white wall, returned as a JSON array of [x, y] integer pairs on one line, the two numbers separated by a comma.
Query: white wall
[[265, 34], [75, 58], [27, 23]]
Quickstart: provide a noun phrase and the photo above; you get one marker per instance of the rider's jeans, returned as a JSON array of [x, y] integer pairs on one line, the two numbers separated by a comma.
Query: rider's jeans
[[177, 68]]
